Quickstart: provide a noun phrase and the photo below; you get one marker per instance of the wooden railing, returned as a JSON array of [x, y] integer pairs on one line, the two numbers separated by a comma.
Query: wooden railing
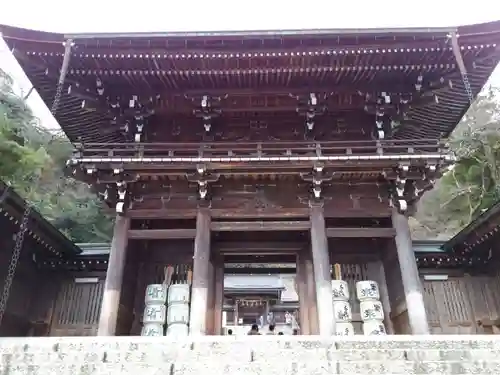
[[235, 149]]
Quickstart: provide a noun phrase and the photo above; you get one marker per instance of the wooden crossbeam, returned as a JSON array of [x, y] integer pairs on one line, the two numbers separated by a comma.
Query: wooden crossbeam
[[259, 226], [161, 234], [360, 232], [257, 247]]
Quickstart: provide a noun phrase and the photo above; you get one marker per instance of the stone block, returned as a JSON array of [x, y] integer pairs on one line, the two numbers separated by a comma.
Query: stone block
[[450, 355]]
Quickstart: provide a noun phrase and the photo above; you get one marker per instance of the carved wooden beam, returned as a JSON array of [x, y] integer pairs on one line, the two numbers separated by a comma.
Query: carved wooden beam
[[256, 247], [228, 248], [161, 234], [261, 226], [299, 90], [360, 232]]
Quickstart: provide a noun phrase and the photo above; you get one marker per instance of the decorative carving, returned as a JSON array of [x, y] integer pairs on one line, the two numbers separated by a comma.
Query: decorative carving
[[317, 177], [260, 265], [122, 201], [207, 110], [310, 109], [202, 178], [256, 200], [404, 192], [127, 114], [398, 189]]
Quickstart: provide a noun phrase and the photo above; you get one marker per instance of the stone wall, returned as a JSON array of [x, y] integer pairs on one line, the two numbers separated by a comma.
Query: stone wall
[[260, 355]]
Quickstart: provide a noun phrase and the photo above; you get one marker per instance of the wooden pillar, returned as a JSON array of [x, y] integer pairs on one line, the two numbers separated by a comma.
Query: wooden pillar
[[114, 276], [201, 283], [301, 286], [321, 265], [267, 311], [210, 328], [236, 312], [311, 294], [417, 315], [384, 298], [219, 294]]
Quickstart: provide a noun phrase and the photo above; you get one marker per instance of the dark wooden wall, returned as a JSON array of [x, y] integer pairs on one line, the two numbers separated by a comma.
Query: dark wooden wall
[[28, 308], [150, 266], [461, 304], [77, 307]]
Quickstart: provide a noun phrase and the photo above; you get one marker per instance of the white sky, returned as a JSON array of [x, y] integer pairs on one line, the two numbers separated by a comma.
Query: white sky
[[69, 16]]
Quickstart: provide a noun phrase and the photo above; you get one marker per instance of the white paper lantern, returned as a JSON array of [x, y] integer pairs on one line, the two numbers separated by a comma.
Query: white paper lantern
[[371, 310], [178, 313], [373, 328], [178, 293], [177, 330], [156, 294], [367, 290], [340, 290], [154, 314], [342, 311], [152, 329], [344, 329]]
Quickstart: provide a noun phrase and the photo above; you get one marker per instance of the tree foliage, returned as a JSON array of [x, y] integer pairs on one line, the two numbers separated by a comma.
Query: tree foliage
[[473, 184], [32, 162]]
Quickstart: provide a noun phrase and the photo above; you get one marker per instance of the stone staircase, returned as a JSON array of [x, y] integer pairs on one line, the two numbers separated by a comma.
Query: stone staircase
[[251, 355]]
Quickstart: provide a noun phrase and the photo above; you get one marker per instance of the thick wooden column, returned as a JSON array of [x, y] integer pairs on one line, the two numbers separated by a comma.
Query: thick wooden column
[[311, 294], [417, 315], [201, 283], [384, 298], [209, 325], [219, 294], [236, 312], [301, 286], [321, 265], [114, 276]]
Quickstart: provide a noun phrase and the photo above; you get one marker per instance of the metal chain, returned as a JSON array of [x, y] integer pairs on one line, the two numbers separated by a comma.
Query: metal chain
[[468, 87], [19, 237], [461, 65]]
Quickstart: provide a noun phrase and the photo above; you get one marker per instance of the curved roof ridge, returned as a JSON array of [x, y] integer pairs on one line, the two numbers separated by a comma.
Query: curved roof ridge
[[45, 36]]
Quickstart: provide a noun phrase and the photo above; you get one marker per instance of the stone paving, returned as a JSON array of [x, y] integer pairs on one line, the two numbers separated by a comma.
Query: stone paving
[[281, 355]]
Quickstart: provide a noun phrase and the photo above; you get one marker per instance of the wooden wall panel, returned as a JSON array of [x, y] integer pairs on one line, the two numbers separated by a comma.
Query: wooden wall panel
[[352, 273], [485, 297], [395, 285], [126, 311], [150, 270], [22, 309], [77, 309], [462, 304]]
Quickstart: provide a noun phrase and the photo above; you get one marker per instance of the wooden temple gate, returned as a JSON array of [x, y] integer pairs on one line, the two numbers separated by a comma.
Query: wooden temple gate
[[322, 140]]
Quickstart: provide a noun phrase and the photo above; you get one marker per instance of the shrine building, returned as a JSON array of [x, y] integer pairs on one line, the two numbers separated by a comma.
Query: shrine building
[[227, 154]]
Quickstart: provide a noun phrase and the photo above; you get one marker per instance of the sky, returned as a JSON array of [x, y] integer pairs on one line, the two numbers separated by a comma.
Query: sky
[[69, 16]]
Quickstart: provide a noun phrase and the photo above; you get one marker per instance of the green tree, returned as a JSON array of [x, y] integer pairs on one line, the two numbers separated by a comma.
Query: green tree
[[33, 162], [473, 184]]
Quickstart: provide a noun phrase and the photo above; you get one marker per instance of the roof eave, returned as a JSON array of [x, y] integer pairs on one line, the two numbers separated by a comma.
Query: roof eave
[[54, 234], [472, 226], [263, 33]]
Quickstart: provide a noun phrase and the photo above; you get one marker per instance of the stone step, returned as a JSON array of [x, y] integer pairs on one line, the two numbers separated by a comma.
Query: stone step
[[252, 355], [258, 356], [253, 368]]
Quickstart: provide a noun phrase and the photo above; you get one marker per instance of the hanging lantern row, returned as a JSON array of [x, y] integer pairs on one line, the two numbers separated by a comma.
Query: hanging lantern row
[[216, 72], [250, 303], [238, 55], [31, 234], [469, 246], [80, 263], [447, 260]]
